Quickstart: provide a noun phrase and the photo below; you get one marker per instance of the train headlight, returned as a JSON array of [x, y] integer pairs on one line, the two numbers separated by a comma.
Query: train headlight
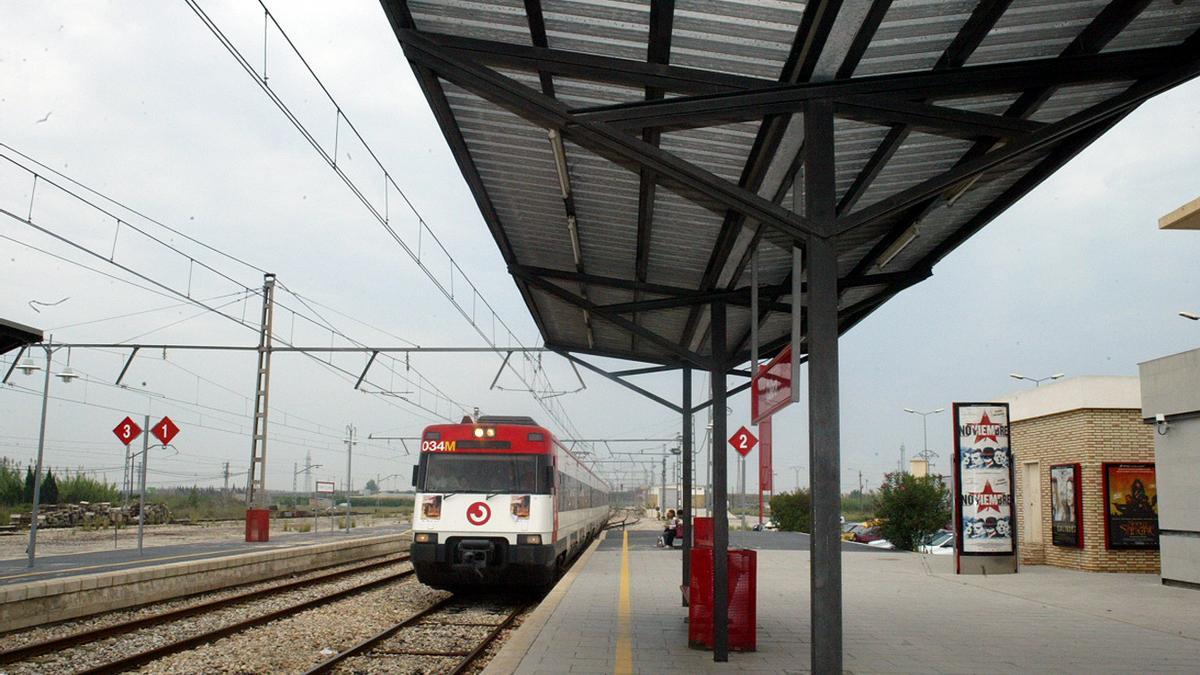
[[425, 538], [529, 539], [478, 432], [491, 432]]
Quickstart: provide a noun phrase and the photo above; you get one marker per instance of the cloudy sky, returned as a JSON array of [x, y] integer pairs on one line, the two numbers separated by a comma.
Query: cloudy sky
[[139, 102]]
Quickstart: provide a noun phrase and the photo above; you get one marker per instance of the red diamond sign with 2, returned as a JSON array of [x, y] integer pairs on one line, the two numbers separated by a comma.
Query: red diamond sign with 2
[[743, 441]]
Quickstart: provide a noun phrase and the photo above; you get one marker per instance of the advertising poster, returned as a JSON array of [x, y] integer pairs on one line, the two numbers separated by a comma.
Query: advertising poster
[[984, 478], [1066, 516], [1131, 506]]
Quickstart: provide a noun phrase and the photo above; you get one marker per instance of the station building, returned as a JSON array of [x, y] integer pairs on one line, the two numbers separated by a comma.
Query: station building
[[1171, 392], [1074, 441]]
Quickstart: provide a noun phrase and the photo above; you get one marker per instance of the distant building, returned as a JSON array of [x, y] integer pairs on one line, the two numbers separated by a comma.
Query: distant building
[[1171, 388], [1084, 476]]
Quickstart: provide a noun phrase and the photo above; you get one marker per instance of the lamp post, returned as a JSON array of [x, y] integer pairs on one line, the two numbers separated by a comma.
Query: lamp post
[[797, 468], [29, 367], [925, 454], [1037, 381]]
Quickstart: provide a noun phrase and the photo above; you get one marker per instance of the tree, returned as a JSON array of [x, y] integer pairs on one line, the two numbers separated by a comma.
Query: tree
[[792, 511], [49, 494], [28, 494], [372, 487], [912, 508]]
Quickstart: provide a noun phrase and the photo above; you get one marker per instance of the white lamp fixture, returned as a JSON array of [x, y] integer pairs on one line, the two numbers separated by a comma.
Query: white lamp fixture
[[28, 366], [1190, 315], [899, 245], [560, 162]]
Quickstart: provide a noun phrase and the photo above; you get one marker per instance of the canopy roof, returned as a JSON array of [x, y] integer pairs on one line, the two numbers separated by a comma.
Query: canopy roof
[[14, 335], [628, 156]]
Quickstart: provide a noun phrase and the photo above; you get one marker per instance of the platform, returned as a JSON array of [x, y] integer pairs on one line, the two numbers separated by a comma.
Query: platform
[[17, 571], [903, 612]]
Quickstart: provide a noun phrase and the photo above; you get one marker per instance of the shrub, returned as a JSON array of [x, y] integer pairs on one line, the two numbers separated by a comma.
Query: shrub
[[912, 508], [792, 511]]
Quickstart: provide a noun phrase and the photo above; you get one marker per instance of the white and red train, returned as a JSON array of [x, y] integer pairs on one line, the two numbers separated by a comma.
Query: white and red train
[[500, 501]]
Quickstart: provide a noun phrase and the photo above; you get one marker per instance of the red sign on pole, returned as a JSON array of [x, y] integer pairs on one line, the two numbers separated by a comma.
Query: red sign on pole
[[765, 471], [165, 430], [743, 441], [771, 386], [127, 431]]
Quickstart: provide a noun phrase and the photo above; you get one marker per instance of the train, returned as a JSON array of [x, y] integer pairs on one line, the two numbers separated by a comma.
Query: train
[[500, 502]]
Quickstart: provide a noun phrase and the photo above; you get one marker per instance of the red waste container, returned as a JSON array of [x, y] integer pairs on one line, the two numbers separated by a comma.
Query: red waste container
[[258, 524], [743, 606], [702, 532]]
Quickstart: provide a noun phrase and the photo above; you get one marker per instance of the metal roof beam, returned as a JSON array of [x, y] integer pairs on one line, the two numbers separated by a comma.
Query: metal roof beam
[[592, 67], [694, 183], [1047, 135], [935, 119], [739, 296], [628, 385], [615, 319], [686, 112]]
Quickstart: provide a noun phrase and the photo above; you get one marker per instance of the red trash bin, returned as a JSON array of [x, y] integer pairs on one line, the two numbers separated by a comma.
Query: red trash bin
[[702, 532], [258, 524], [743, 605]]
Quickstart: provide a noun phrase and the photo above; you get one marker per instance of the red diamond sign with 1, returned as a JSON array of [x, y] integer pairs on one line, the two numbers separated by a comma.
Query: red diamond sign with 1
[[165, 430], [127, 431], [743, 441]]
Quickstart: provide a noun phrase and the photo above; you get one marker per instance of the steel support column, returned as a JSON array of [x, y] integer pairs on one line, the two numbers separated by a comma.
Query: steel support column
[[686, 450], [821, 300], [720, 489]]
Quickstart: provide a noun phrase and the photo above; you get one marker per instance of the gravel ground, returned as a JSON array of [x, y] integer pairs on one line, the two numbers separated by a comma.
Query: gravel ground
[[303, 640], [58, 541], [42, 633], [92, 654]]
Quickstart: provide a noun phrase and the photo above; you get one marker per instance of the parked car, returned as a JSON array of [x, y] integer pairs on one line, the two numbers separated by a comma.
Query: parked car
[[769, 525], [940, 543], [881, 543], [867, 535]]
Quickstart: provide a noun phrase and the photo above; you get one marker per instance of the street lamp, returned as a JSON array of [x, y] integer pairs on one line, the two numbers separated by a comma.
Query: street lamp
[[797, 468], [1037, 381], [1190, 315], [29, 367], [925, 454]]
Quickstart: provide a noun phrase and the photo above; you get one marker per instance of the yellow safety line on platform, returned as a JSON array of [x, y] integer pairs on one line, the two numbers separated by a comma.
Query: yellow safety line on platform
[[624, 644]]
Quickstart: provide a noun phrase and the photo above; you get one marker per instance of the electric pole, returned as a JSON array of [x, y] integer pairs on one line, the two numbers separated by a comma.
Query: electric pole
[[308, 467], [225, 490], [256, 483], [350, 431]]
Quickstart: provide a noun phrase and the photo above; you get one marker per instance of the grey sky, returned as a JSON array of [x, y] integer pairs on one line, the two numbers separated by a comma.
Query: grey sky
[[141, 102]]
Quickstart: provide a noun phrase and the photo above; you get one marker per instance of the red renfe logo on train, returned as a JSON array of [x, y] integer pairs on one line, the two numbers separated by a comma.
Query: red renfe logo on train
[[478, 513]]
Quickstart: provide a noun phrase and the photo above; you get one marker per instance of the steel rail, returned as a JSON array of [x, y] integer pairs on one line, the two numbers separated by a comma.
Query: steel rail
[[140, 658], [465, 658], [37, 648]]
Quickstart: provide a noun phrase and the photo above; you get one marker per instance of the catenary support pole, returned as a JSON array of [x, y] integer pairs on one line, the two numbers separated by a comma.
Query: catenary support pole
[[142, 491], [37, 475], [720, 489], [686, 449], [349, 484], [823, 414]]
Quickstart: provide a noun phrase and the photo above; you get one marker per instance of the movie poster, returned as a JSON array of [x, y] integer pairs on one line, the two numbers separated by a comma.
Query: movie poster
[[984, 474], [1065, 512], [1131, 505]]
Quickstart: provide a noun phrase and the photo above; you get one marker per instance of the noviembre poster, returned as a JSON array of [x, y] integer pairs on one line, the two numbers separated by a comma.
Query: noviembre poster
[[1064, 506], [984, 478], [1131, 505]]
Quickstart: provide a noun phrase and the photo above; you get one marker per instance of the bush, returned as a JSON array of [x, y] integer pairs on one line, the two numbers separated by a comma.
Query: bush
[[792, 511], [912, 508]]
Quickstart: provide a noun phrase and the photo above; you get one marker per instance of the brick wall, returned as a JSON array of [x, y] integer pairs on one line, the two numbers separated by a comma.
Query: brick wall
[[1088, 437]]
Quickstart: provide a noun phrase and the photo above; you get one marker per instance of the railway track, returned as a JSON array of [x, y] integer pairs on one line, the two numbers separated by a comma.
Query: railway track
[[446, 637], [31, 651]]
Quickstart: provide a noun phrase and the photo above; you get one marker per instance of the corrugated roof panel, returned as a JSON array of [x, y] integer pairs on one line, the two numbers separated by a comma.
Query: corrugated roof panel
[[1070, 100], [583, 94], [502, 21], [720, 35], [563, 321], [913, 35], [1162, 23], [1035, 29], [516, 163], [605, 27], [992, 105], [920, 157], [855, 143], [681, 240], [721, 149], [606, 207]]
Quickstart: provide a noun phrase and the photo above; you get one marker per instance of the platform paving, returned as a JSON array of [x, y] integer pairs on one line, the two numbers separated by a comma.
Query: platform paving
[[17, 571], [903, 613]]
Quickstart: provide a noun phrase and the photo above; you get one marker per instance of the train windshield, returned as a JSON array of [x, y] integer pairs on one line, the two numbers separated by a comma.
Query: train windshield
[[483, 473]]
